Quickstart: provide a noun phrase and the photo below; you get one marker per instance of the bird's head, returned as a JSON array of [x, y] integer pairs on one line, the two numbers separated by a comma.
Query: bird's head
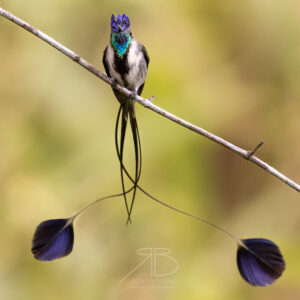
[[120, 34]]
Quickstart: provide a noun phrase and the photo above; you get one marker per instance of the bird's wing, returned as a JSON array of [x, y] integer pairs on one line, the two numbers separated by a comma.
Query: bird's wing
[[145, 53], [147, 59], [104, 61]]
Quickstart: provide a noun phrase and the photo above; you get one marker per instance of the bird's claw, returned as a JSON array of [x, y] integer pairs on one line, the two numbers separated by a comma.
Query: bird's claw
[[151, 99], [114, 83], [133, 95]]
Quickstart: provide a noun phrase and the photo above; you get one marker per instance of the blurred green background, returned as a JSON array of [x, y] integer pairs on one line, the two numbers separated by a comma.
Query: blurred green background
[[231, 67]]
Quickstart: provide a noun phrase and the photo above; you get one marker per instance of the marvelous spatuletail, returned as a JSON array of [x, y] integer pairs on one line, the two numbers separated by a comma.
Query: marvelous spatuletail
[[126, 61], [259, 261]]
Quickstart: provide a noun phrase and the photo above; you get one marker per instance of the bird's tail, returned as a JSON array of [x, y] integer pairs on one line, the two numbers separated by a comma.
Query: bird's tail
[[126, 109], [138, 154], [161, 202], [123, 110]]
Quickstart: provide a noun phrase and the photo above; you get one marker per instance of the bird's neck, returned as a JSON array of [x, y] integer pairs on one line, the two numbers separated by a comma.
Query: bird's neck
[[120, 42]]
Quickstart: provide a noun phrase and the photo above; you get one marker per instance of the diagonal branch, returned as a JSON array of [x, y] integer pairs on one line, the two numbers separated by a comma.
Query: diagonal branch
[[249, 155]]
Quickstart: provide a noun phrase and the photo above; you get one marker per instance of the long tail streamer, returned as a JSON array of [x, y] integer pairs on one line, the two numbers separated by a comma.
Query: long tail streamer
[[125, 110]]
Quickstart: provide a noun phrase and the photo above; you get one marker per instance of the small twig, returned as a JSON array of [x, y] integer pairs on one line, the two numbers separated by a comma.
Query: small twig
[[148, 104], [251, 153]]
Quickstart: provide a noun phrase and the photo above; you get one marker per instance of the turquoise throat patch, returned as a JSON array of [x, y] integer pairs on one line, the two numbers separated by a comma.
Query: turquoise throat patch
[[120, 42]]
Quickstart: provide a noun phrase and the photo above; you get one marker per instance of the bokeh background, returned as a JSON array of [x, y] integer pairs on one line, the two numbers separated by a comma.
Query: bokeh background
[[231, 67]]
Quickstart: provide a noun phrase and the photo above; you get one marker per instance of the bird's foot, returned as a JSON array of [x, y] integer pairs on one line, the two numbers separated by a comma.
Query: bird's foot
[[114, 83], [132, 96], [151, 98]]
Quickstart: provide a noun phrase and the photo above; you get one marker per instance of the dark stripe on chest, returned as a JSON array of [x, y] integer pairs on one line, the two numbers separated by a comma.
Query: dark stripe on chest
[[121, 65]]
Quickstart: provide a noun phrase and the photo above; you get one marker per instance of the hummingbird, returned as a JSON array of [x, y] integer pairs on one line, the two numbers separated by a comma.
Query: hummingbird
[[126, 61]]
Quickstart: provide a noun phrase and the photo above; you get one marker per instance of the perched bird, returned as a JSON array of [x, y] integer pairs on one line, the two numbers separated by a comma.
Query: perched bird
[[126, 61]]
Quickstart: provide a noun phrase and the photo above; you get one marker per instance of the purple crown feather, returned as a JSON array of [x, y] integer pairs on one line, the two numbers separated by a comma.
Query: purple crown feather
[[121, 23]]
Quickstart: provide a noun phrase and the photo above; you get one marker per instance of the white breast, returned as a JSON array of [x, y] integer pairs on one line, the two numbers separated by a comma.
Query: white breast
[[137, 75]]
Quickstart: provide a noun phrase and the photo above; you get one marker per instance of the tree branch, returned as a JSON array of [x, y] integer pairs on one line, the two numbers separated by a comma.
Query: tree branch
[[249, 155]]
